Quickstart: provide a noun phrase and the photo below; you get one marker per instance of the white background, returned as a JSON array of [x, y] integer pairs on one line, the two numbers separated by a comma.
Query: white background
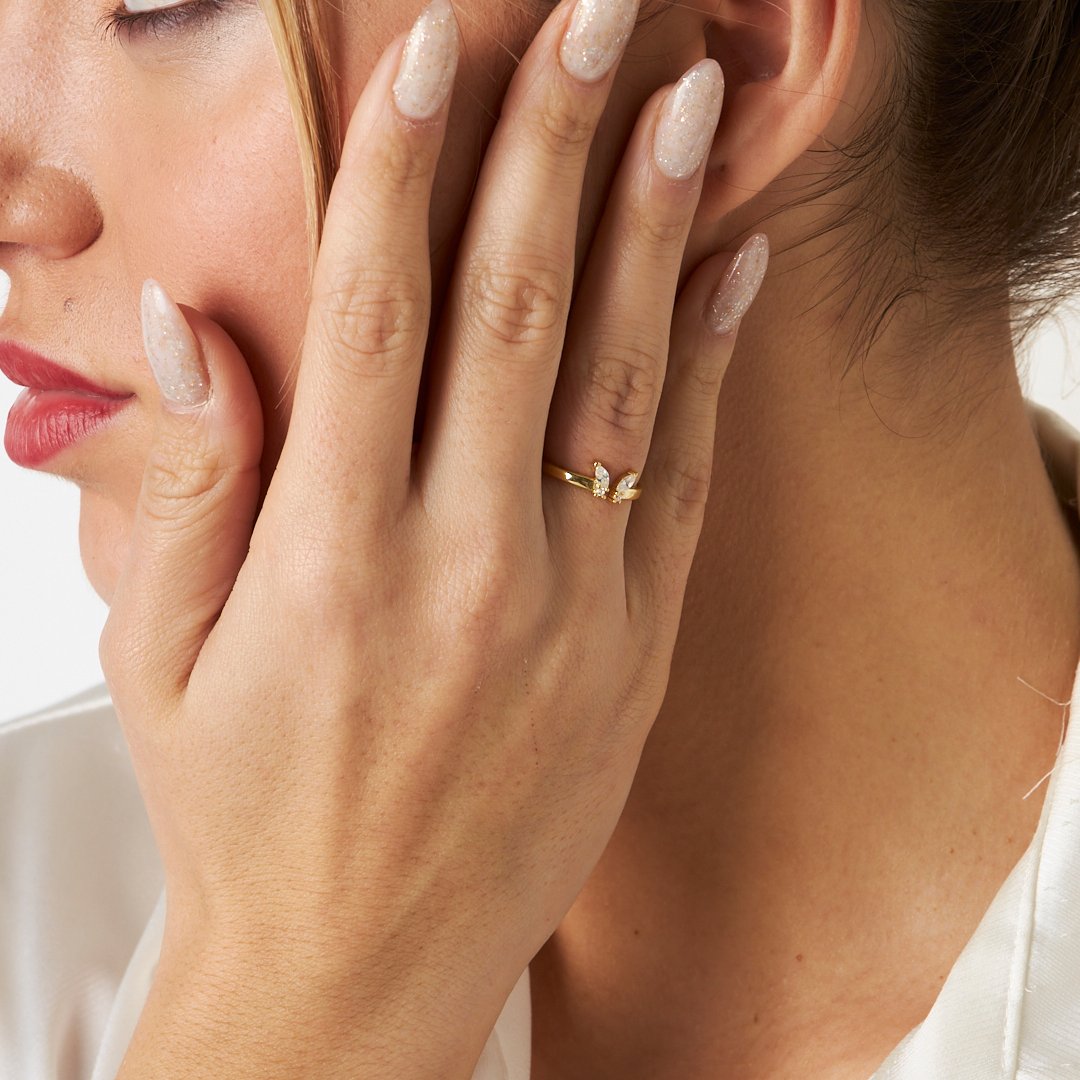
[[50, 618]]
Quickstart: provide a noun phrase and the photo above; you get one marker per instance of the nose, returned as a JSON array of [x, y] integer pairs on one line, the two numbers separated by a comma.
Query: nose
[[45, 207]]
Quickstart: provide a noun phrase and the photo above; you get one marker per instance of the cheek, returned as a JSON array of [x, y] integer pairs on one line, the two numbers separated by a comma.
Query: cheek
[[216, 210], [208, 197]]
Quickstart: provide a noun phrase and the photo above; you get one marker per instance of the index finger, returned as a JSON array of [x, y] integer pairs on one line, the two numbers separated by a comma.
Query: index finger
[[353, 414]]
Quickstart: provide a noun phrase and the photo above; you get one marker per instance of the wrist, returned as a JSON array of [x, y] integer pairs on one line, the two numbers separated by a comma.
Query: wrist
[[253, 1020], [225, 1011]]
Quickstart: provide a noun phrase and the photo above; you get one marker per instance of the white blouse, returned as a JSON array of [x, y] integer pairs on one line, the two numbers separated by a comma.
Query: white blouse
[[82, 910]]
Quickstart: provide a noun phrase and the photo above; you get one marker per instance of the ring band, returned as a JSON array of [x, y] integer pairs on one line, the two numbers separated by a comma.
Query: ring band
[[599, 483]]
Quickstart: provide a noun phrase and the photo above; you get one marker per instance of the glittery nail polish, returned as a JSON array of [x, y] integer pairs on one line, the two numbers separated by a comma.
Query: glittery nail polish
[[687, 121], [428, 62], [5, 290], [171, 348], [739, 286], [597, 34]]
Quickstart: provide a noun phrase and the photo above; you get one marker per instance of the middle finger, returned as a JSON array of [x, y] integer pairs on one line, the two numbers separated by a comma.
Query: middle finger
[[506, 312]]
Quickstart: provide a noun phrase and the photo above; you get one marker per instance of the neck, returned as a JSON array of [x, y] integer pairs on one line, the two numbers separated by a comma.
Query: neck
[[884, 608]]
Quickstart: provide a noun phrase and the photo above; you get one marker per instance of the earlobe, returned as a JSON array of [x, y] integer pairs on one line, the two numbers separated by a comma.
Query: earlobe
[[786, 64]]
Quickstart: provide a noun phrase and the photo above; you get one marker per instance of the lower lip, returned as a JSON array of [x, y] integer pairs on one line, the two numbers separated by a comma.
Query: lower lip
[[44, 422]]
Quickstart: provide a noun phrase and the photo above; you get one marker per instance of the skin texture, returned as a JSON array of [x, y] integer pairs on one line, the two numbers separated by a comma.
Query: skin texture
[[844, 743], [190, 204]]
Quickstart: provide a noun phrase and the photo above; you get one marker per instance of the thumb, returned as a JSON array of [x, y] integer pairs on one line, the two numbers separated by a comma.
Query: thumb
[[196, 508]]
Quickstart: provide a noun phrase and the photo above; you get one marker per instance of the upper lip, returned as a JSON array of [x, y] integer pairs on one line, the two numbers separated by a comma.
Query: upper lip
[[27, 368]]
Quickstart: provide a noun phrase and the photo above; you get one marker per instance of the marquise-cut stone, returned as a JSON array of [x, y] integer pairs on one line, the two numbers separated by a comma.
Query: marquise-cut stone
[[602, 480], [624, 485]]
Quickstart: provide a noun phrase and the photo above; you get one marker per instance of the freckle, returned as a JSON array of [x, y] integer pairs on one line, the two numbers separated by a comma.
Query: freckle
[[798, 957], [637, 932], [69, 303], [952, 851], [755, 1018], [1009, 840]]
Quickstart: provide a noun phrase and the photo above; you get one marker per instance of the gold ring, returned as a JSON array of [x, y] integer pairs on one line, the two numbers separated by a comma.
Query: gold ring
[[599, 483]]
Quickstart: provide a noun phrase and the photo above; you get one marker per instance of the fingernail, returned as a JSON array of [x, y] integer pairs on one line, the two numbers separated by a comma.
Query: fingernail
[[740, 285], [687, 122], [428, 62], [596, 36], [5, 290], [173, 352]]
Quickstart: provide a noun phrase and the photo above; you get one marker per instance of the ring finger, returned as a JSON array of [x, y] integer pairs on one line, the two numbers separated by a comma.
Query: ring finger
[[609, 384]]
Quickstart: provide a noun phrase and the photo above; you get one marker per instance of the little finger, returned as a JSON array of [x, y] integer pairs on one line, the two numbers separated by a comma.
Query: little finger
[[663, 533]]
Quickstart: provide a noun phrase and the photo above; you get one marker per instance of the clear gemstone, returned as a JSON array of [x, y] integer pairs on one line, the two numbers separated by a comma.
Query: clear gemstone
[[623, 486], [602, 480]]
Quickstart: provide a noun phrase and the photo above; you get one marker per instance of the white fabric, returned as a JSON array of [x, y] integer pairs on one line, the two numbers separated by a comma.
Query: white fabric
[[82, 903], [82, 911]]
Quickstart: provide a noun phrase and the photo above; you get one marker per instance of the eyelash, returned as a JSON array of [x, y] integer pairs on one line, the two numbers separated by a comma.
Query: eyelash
[[163, 20]]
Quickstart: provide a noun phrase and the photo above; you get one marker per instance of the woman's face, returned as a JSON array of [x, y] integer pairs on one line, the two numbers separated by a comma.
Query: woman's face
[[167, 153]]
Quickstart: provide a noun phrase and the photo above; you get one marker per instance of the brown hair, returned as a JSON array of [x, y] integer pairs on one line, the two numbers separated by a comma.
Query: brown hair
[[975, 135], [975, 138]]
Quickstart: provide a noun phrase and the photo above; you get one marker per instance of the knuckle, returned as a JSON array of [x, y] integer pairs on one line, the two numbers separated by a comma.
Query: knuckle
[[622, 388], [702, 377], [561, 126], [330, 577], [390, 174], [660, 225], [516, 302], [373, 322], [488, 589], [111, 647], [397, 167], [120, 651], [181, 483], [492, 595], [685, 475]]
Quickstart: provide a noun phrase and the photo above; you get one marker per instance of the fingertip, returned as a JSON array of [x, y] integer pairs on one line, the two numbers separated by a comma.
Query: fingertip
[[204, 381], [173, 352], [234, 401], [738, 287], [429, 61]]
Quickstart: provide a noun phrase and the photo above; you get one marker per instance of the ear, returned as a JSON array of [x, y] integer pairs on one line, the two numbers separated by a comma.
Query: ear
[[786, 66]]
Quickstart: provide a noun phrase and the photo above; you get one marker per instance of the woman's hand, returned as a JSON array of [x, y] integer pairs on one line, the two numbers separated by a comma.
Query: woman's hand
[[385, 729]]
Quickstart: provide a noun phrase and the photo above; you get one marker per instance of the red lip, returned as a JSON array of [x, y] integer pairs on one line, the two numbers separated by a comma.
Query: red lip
[[58, 408], [27, 368]]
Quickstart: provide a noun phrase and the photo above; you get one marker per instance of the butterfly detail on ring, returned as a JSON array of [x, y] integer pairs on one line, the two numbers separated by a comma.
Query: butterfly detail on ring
[[602, 484]]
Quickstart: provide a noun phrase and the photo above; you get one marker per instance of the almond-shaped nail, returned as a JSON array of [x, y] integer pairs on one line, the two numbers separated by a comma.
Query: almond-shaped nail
[[739, 286], [428, 62], [687, 122], [174, 354], [595, 39]]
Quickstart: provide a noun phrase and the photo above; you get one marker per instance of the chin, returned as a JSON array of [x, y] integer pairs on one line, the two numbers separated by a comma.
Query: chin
[[104, 531]]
